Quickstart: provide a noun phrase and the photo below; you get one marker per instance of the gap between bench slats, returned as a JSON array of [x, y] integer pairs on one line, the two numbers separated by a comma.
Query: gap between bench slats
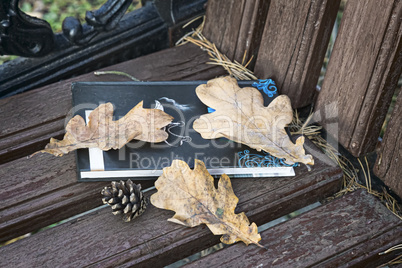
[[102, 239], [349, 231]]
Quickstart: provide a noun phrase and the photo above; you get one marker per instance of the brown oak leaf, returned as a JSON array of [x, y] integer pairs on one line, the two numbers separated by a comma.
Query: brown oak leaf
[[194, 198], [242, 117], [104, 133]]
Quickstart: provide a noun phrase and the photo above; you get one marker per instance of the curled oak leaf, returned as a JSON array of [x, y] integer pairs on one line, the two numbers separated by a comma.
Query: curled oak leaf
[[104, 133], [194, 198], [242, 117]]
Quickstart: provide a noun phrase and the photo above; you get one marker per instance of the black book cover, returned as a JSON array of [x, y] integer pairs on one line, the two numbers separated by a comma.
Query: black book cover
[[146, 160]]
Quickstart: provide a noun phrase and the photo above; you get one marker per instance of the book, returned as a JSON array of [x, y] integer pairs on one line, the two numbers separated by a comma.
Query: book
[[143, 160]]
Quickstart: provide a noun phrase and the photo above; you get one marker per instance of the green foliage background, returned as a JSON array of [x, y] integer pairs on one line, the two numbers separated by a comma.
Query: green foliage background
[[55, 11]]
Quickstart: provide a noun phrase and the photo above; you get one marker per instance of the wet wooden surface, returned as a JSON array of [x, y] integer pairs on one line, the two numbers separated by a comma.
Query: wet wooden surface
[[103, 240], [350, 231]]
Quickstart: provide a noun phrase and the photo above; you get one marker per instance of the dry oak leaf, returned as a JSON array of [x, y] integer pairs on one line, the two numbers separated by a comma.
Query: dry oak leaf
[[194, 198], [242, 117], [104, 133]]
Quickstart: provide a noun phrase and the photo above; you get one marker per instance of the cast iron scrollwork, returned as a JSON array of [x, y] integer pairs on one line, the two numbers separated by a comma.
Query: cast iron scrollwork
[[23, 35], [104, 19]]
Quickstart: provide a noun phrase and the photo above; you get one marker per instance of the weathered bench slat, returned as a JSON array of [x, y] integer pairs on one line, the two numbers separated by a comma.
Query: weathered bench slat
[[388, 164], [362, 73], [36, 138], [30, 119], [41, 191], [223, 31], [293, 46], [239, 30], [348, 231], [103, 240], [367, 253]]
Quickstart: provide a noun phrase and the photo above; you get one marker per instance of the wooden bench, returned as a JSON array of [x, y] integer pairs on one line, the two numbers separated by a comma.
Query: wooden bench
[[288, 44], [355, 240]]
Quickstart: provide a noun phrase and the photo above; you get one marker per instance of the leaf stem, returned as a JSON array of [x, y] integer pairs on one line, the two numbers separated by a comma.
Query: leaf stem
[[117, 73]]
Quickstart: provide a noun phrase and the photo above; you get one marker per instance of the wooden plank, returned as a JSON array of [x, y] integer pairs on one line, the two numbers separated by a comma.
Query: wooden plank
[[236, 26], [28, 120], [388, 164], [222, 24], [343, 233], [367, 254], [102, 239], [41, 191], [293, 46], [363, 71]]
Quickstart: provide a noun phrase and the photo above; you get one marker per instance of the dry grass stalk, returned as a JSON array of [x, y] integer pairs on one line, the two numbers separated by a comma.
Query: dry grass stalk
[[397, 260], [397, 247], [234, 68], [350, 178]]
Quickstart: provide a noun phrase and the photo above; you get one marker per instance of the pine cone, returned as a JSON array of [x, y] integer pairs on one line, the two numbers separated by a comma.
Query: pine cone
[[125, 198]]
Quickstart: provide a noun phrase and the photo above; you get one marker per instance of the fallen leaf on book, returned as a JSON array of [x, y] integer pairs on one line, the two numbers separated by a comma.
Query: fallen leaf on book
[[104, 133], [194, 198], [242, 117]]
